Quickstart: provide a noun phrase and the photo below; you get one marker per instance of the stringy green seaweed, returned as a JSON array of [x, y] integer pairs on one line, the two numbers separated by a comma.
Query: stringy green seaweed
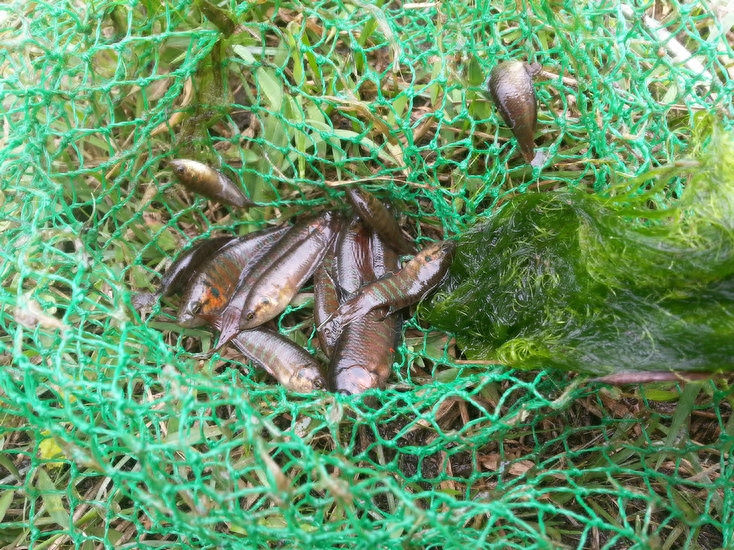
[[603, 284]]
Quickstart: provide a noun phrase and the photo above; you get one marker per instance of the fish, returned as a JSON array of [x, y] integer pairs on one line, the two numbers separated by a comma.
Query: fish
[[353, 258], [291, 365], [377, 216], [325, 298], [277, 285], [364, 352], [209, 291], [407, 286], [187, 262], [210, 183], [385, 260], [346, 264], [511, 88], [228, 322]]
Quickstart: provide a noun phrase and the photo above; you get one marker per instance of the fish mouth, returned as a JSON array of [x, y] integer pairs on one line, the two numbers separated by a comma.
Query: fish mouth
[[190, 321], [354, 380]]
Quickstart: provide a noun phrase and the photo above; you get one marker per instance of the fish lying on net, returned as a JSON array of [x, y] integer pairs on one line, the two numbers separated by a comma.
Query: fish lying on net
[[246, 282], [511, 88], [210, 287], [602, 285], [362, 355]]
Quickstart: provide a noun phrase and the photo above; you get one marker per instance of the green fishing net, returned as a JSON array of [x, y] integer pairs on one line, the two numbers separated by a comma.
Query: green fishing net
[[118, 430]]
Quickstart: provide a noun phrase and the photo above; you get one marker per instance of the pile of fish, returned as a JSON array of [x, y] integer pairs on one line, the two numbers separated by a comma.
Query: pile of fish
[[238, 285]]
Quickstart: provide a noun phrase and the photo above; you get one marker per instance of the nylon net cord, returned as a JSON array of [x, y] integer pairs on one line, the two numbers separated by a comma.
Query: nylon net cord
[[116, 433]]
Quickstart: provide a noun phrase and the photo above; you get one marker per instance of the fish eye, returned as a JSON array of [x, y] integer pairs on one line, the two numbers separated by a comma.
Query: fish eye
[[251, 316], [195, 308], [318, 384]]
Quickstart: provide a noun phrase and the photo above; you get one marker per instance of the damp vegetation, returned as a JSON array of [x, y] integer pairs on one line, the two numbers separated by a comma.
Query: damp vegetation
[[632, 281], [120, 428]]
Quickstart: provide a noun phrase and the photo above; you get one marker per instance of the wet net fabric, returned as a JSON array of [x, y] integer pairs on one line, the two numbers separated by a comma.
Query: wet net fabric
[[116, 431]]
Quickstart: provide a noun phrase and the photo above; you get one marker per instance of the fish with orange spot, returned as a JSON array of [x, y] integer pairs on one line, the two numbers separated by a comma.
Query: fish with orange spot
[[209, 291]]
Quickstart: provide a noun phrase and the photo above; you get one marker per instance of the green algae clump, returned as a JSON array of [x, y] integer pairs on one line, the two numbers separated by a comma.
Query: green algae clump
[[629, 282]]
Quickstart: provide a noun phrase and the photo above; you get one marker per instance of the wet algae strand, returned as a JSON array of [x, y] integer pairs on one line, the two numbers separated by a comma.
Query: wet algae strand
[[604, 285]]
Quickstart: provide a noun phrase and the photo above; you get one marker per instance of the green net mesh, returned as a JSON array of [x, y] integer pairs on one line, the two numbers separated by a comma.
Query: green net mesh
[[115, 432]]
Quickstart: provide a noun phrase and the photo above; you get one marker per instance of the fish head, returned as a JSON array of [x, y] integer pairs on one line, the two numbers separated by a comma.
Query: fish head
[[186, 169], [203, 301], [307, 378], [189, 316], [447, 248], [355, 380], [439, 252], [261, 311]]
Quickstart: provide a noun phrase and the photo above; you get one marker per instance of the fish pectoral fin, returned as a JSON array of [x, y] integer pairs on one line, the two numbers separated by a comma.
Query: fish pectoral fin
[[228, 327], [325, 323]]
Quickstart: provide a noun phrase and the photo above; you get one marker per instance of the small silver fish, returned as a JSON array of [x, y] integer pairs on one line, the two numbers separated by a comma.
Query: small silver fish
[[511, 88], [228, 323], [364, 352], [283, 359], [406, 287], [207, 181], [277, 286]]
